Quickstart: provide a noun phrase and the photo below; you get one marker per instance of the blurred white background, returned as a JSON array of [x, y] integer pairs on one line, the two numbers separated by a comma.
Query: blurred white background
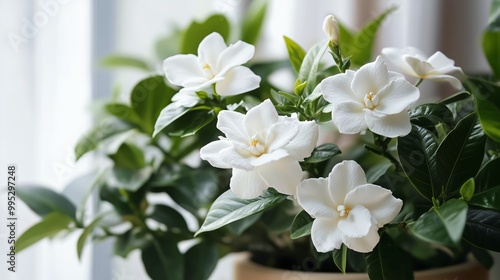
[[49, 75]]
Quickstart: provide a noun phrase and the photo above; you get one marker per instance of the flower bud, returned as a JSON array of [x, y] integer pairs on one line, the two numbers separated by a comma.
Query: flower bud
[[331, 29]]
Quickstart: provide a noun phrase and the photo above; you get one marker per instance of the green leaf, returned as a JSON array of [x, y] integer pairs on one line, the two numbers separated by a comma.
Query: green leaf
[[48, 227], [373, 173], [200, 270], [489, 199], [494, 11], [169, 217], [197, 31], [443, 225], [148, 98], [487, 177], [487, 103], [309, 69], [253, 21], [131, 240], [102, 131], [491, 45], [460, 154], [417, 156], [459, 96], [228, 208], [168, 115], [162, 260], [295, 52], [429, 115], [169, 44], [129, 179], [239, 226], [340, 258], [380, 263], [467, 189], [85, 234], [129, 156], [301, 225], [482, 229], [322, 153], [45, 201], [196, 120], [123, 112], [121, 61]]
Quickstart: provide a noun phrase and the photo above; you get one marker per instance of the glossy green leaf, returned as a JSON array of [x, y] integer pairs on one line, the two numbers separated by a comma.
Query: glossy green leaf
[[105, 129], [131, 240], [491, 45], [239, 226], [253, 21], [129, 156], [228, 208], [169, 217], [123, 112], [121, 61], [197, 31], [322, 153], [50, 225], [443, 225], [467, 189], [168, 115], [380, 263], [417, 156], [482, 229], [460, 154], [301, 226], [162, 260], [85, 234], [196, 120], [296, 53], [489, 198], [129, 179], [45, 201], [487, 177], [457, 97], [200, 261], [374, 172], [309, 69], [429, 115], [487, 103], [340, 258]]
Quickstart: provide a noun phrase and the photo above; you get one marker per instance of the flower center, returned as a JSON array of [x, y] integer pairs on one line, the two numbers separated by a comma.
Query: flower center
[[207, 70], [256, 148], [343, 211], [371, 100]]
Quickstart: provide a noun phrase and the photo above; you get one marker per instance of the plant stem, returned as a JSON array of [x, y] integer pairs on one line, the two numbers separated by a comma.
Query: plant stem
[[419, 82]]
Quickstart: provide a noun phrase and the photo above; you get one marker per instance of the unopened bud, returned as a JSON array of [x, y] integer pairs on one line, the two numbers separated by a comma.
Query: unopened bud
[[331, 29]]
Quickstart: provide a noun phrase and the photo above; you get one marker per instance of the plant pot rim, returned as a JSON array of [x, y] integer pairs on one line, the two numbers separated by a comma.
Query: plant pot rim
[[243, 262]]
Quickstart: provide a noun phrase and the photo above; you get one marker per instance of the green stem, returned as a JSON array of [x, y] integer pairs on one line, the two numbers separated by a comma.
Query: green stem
[[419, 82], [383, 144]]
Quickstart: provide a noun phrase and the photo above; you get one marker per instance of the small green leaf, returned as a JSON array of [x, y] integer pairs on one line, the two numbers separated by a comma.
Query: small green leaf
[[228, 208], [194, 121], [253, 21], [162, 260], [129, 156], [340, 258], [169, 217], [125, 61], [51, 224], [45, 201], [482, 229], [105, 129], [380, 262], [197, 31], [309, 69], [373, 173], [460, 154], [322, 153], [301, 226], [123, 112], [459, 96], [129, 179], [85, 234], [489, 199], [200, 270], [168, 115], [429, 115], [487, 177], [467, 189], [295, 52], [443, 225]]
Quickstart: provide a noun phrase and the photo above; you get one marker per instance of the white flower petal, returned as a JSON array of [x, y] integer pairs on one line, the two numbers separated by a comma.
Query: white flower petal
[[304, 142], [268, 158], [210, 153], [280, 134], [349, 117], [236, 158], [183, 69], [313, 195], [420, 68], [236, 54], [382, 205], [442, 63], [390, 126], [283, 175], [231, 124], [396, 97], [371, 77], [325, 235], [260, 118], [337, 89], [394, 56], [186, 99], [343, 178], [210, 48], [247, 184], [363, 244], [357, 223], [237, 80], [454, 82]]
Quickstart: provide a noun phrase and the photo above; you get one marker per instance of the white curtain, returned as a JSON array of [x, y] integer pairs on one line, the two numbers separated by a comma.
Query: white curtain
[[44, 94]]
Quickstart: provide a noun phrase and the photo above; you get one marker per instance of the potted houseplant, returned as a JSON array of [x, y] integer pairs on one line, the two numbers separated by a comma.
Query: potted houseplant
[[413, 189]]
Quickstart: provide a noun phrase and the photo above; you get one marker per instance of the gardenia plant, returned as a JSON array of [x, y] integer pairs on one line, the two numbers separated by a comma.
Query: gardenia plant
[[415, 187]]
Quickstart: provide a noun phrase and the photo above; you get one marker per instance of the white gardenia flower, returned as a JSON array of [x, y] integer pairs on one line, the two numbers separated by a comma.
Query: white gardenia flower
[[346, 208], [372, 98], [262, 148], [413, 62], [216, 64], [331, 29]]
